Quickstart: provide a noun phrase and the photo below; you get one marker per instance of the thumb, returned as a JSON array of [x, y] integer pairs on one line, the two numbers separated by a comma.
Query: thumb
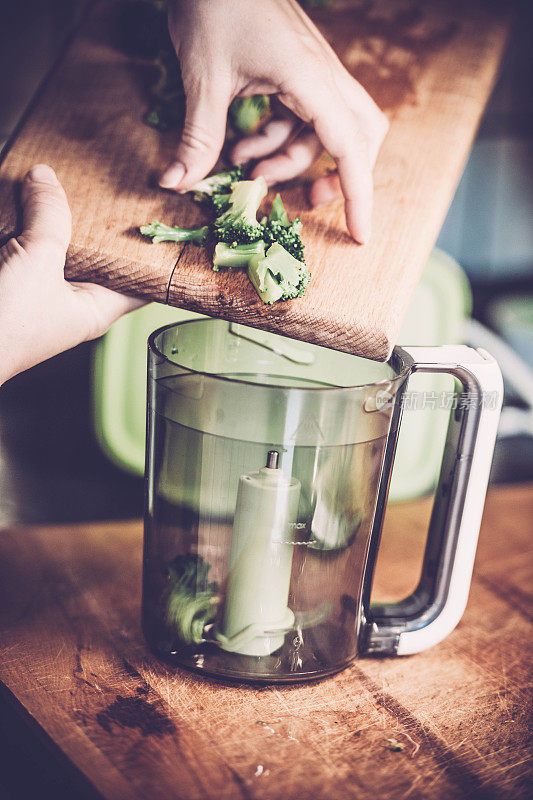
[[202, 136], [46, 219]]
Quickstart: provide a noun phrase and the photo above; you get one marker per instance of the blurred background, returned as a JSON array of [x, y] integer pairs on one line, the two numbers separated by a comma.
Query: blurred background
[[52, 468]]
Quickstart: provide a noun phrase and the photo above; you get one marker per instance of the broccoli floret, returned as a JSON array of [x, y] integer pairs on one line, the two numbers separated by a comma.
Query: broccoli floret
[[278, 275], [248, 113], [288, 236], [239, 255], [279, 229], [278, 213], [220, 203], [216, 184], [166, 233], [239, 224], [192, 601]]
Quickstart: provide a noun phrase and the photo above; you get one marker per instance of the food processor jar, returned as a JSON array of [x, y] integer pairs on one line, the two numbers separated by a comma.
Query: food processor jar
[[267, 471]]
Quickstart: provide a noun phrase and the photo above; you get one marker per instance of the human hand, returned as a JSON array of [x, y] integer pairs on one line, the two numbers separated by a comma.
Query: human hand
[[42, 314], [238, 48]]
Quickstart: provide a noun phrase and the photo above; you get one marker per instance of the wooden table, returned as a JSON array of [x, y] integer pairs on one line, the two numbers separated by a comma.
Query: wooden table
[[448, 723], [429, 65]]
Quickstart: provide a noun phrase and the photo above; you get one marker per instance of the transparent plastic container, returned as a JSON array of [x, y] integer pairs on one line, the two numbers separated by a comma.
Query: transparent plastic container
[[267, 461]]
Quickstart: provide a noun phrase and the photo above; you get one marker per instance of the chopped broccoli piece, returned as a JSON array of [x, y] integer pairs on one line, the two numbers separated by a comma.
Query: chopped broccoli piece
[[266, 287], [278, 213], [238, 224], [165, 233], [216, 184], [192, 601], [278, 275], [248, 113], [279, 229], [239, 255], [288, 236], [220, 203]]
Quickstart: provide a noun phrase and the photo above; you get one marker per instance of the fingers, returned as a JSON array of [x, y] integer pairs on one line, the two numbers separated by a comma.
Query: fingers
[[371, 120], [274, 134], [202, 136], [292, 160], [99, 307], [46, 217], [337, 129], [325, 190]]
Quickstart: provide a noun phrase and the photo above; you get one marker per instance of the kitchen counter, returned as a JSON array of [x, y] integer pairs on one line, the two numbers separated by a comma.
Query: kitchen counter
[[114, 722]]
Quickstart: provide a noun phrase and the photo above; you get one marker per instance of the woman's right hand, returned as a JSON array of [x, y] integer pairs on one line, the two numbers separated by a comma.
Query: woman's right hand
[[238, 48]]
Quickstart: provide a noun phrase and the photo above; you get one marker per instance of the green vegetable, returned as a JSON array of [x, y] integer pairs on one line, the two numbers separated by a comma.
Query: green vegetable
[[220, 203], [272, 250], [238, 224], [278, 213], [166, 233], [248, 113], [278, 275], [279, 229], [288, 236], [394, 745], [239, 255], [192, 601], [216, 184]]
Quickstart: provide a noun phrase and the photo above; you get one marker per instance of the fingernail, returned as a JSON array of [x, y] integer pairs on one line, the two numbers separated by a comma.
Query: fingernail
[[172, 176], [42, 173]]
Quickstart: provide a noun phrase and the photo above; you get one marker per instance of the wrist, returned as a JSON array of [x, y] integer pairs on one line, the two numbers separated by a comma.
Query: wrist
[[8, 363], [7, 371]]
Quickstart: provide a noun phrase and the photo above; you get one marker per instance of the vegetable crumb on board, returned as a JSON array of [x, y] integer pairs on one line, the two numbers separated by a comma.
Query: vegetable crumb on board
[[396, 746], [393, 744]]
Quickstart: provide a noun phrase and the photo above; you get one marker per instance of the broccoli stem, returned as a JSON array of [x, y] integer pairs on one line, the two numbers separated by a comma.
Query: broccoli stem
[[239, 224], [165, 233], [236, 256], [220, 183], [266, 287], [278, 275]]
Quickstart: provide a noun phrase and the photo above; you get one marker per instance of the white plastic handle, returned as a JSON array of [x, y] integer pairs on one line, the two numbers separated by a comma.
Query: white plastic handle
[[487, 373], [435, 608]]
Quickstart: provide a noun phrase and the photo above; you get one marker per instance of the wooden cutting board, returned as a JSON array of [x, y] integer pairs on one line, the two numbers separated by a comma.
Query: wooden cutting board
[[74, 666], [429, 65]]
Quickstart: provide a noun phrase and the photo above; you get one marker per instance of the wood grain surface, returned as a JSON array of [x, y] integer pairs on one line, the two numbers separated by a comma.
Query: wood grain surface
[[429, 65], [73, 659]]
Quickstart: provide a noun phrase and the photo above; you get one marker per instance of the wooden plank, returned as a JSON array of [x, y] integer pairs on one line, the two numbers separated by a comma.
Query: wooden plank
[[431, 67], [73, 656]]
